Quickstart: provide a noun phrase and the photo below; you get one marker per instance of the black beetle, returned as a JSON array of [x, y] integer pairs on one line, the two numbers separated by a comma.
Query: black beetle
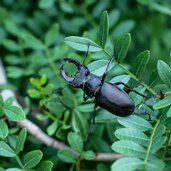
[[107, 95]]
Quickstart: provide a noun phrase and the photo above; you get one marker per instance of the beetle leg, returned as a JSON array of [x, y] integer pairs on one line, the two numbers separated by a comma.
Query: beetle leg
[[130, 89], [94, 112], [85, 97]]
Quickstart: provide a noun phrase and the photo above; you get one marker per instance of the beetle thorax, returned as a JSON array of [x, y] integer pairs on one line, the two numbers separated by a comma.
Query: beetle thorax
[[81, 77], [91, 85]]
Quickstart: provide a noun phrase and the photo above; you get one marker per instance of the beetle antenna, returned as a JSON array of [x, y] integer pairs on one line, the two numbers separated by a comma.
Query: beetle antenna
[[86, 53], [107, 68], [94, 112]]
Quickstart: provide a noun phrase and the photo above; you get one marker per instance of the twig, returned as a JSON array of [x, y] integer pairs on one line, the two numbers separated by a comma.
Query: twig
[[38, 133], [107, 156]]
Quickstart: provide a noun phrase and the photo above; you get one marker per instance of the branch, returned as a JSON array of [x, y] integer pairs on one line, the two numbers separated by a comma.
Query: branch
[[34, 130], [40, 135], [107, 156]]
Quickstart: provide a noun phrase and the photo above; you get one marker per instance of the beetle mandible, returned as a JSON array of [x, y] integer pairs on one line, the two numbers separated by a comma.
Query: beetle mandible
[[107, 95]]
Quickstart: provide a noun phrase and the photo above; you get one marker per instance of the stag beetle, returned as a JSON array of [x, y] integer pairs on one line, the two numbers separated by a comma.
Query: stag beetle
[[107, 95]]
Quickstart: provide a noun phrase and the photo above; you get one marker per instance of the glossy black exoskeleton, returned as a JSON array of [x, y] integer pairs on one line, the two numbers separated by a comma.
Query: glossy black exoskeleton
[[107, 95]]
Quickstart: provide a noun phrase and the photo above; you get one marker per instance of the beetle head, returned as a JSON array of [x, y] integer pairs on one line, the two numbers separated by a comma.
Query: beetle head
[[80, 77]]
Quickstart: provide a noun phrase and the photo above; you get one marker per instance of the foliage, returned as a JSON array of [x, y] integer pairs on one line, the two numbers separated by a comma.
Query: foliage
[[35, 38]]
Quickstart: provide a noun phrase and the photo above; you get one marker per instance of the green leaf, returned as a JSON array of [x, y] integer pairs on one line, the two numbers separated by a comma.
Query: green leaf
[[21, 140], [69, 8], [82, 43], [127, 147], [15, 72], [157, 144], [162, 103], [41, 117], [121, 46], [141, 62], [12, 28], [13, 59], [33, 93], [102, 167], [1, 101], [43, 80], [135, 122], [136, 97], [45, 166], [32, 158], [35, 82], [3, 129], [121, 78], [48, 88], [154, 164], [44, 4], [32, 42], [80, 124], [105, 117], [68, 98], [86, 107], [6, 150], [103, 29], [7, 86], [14, 113], [51, 129], [127, 164], [164, 72], [165, 9], [10, 45], [13, 169], [99, 67], [158, 139], [159, 131], [54, 105], [132, 135], [123, 27], [52, 34], [88, 155], [100, 144], [113, 17], [75, 141], [169, 112], [9, 101], [67, 155], [154, 78]]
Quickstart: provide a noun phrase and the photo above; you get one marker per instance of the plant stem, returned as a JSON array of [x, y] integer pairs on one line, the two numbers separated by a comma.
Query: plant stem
[[50, 115], [151, 141], [19, 161], [78, 165]]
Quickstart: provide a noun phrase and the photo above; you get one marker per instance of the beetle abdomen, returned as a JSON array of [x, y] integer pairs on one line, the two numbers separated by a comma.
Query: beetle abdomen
[[115, 100]]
